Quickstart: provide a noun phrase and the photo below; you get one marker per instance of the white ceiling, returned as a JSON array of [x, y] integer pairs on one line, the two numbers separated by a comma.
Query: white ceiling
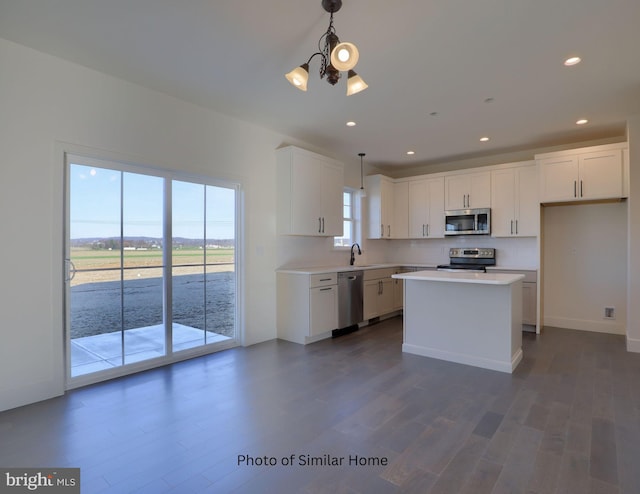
[[418, 57]]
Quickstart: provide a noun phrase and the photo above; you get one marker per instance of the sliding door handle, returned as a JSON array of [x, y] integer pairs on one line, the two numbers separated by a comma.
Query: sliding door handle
[[71, 270]]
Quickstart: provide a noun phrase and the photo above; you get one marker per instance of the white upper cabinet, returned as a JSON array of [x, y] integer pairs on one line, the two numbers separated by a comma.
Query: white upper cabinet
[[585, 174], [310, 190], [381, 202], [514, 202], [400, 223], [426, 208], [467, 190]]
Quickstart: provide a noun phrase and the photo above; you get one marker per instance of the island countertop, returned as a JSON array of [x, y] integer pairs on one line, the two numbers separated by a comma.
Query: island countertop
[[461, 277]]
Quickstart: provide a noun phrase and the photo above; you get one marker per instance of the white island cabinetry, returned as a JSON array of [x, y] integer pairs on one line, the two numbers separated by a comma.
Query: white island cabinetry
[[469, 318]]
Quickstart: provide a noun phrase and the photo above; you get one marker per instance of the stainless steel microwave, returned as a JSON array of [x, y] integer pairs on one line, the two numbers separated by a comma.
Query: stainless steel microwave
[[467, 222]]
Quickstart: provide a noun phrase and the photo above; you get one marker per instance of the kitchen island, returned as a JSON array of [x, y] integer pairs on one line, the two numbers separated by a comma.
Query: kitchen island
[[468, 318]]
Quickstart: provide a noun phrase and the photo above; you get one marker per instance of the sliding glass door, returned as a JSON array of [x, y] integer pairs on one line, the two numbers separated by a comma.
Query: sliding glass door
[[151, 264]]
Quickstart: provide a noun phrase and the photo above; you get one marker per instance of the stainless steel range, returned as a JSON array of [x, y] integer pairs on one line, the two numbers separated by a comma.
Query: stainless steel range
[[470, 259]]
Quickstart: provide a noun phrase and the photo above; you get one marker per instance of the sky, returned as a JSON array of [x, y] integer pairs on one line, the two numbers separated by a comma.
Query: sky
[[95, 198]]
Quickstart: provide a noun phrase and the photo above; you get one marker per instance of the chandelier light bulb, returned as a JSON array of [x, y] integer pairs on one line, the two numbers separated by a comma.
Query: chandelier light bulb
[[299, 77], [355, 84], [344, 56]]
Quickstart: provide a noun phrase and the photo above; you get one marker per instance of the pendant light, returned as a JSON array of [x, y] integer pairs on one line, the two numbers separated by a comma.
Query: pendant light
[[363, 193]]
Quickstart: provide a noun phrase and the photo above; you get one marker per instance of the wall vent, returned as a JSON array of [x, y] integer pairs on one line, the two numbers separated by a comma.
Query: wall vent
[[609, 312]]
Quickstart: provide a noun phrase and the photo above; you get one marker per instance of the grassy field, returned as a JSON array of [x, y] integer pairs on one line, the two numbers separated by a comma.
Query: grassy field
[[104, 265]]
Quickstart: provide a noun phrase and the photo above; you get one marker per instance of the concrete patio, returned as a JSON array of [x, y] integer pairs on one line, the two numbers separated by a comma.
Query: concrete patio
[[104, 351]]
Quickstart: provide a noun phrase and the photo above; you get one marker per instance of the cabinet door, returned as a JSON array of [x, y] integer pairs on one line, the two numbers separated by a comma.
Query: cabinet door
[[503, 199], [435, 220], [323, 308], [601, 175], [418, 191], [456, 191], [332, 189], [400, 224], [306, 195], [527, 204], [398, 291], [385, 299], [380, 206], [370, 301], [529, 304], [386, 207], [558, 179], [479, 195]]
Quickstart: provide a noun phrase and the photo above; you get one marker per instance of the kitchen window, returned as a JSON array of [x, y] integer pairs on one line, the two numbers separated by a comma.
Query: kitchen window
[[349, 220]]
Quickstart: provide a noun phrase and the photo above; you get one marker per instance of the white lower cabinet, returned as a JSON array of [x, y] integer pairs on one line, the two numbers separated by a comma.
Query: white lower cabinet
[[307, 306], [378, 292], [529, 294], [323, 306]]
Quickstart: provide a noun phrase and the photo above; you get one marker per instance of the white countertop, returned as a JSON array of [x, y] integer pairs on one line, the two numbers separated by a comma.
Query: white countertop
[[460, 277], [336, 269]]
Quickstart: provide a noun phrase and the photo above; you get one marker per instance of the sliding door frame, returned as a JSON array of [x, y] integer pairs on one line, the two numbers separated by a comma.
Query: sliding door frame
[[90, 158]]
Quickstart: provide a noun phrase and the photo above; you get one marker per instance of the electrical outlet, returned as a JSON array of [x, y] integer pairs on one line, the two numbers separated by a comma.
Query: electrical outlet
[[609, 312]]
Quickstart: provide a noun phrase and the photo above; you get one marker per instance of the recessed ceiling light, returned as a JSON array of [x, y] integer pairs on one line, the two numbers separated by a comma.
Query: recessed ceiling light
[[351, 124], [488, 100], [572, 61], [484, 139], [434, 113], [411, 153], [582, 121]]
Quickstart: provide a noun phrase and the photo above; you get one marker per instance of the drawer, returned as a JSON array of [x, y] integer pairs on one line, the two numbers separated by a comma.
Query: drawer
[[376, 274], [324, 279]]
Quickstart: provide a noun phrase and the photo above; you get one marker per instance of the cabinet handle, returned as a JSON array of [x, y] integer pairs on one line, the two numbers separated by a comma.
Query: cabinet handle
[[516, 227], [325, 279], [381, 230], [323, 224], [319, 225], [575, 184], [428, 233], [388, 230], [423, 230], [325, 289], [581, 188], [511, 227]]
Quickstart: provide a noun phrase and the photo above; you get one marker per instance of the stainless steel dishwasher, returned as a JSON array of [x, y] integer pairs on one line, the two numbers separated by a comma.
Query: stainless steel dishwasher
[[350, 296]]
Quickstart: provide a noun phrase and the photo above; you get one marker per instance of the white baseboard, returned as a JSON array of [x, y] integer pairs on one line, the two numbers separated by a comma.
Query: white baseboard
[[633, 345], [612, 327], [460, 358]]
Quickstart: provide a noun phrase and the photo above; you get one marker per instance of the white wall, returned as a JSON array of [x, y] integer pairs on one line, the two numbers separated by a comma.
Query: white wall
[[46, 102], [585, 266], [633, 249]]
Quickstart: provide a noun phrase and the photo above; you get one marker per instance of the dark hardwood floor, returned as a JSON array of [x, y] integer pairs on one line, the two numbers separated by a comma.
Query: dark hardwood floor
[[567, 421]]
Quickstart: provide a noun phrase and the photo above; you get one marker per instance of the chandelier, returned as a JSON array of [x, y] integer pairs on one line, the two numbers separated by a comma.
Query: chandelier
[[335, 56]]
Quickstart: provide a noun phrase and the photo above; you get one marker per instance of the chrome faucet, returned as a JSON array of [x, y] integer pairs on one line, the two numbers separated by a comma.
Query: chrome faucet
[[353, 256]]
